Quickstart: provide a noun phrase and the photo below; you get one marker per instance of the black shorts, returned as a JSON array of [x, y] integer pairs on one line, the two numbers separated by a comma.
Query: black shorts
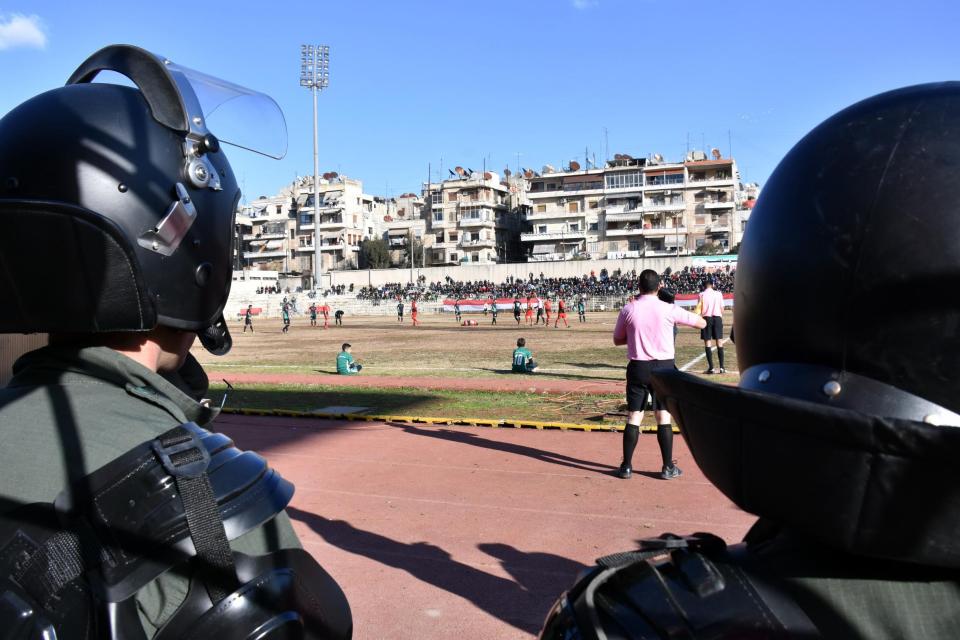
[[639, 385], [714, 328]]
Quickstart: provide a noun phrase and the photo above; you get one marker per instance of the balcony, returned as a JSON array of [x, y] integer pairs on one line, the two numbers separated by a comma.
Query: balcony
[[578, 190], [483, 242], [264, 236], [553, 214], [654, 232], [476, 222], [729, 204], [711, 182], [632, 215], [444, 245], [443, 224], [664, 206], [254, 255], [558, 235], [719, 227], [397, 225]]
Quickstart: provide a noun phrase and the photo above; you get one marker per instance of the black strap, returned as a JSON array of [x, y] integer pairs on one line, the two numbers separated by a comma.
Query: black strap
[[186, 459], [52, 566]]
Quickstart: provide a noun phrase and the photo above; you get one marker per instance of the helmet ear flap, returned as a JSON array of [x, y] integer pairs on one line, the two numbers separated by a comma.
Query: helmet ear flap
[[216, 338]]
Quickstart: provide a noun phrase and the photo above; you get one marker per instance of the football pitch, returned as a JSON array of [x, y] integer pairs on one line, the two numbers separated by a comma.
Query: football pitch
[[440, 368]]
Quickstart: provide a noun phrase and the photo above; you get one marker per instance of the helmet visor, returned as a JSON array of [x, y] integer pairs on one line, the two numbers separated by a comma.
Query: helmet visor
[[238, 116]]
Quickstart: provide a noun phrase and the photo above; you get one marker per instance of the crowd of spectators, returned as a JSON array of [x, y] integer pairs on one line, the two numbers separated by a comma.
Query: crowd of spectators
[[616, 283]]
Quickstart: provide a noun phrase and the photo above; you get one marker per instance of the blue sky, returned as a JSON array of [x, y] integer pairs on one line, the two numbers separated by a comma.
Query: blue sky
[[465, 83]]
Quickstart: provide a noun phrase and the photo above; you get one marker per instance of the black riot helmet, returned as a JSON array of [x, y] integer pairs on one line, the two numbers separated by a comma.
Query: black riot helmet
[[846, 423], [118, 203]]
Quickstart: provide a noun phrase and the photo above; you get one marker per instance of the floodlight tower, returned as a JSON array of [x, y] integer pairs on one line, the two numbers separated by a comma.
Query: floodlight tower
[[315, 75]]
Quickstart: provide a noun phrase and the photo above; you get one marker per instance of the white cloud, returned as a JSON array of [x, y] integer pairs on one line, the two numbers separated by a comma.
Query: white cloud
[[18, 30], [585, 4]]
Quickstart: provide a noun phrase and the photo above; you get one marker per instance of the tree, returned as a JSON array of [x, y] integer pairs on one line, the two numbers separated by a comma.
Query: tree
[[708, 249], [735, 250], [374, 254], [417, 253]]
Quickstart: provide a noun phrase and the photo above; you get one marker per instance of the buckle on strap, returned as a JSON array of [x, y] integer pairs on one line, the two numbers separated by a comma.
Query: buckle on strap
[[182, 453]]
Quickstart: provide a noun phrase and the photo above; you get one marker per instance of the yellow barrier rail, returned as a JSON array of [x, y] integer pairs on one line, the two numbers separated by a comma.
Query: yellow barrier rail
[[450, 422]]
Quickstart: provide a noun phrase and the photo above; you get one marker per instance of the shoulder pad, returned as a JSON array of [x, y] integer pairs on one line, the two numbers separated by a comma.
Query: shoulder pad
[[138, 518], [675, 587]]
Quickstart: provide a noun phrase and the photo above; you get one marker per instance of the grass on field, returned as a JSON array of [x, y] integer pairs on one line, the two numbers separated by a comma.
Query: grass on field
[[571, 407], [442, 348]]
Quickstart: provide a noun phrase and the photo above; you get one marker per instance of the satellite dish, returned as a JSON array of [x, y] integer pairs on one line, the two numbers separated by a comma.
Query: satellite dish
[[334, 175], [487, 175], [548, 168], [626, 157], [574, 165], [715, 153], [507, 172], [528, 174], [699, 156], [617, 156], [327, 175], [658, 157], [460, 171]]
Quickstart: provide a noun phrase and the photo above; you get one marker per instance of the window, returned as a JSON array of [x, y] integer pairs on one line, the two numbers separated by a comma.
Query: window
[[436, 197], [306, 218], [291, 234], [594, 204], [624, 180], [573, 207], [634, 245], [661, 179], [594, 226], [541, 208], [701, 242], [575, 227], [453, 236], [698, 220], [542, 228], [453, 257], [279, 209], [438, 216], [452, 196]]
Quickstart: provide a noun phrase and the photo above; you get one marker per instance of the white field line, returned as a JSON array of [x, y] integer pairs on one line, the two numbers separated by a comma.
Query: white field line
[[310, 367], [687, 366]]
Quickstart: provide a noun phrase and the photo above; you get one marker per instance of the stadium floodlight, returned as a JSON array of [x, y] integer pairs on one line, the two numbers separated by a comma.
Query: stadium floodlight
[[315, 75]]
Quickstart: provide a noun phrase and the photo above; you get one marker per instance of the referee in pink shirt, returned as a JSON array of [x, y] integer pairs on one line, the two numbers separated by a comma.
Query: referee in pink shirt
[[711, 308], [645, 325]]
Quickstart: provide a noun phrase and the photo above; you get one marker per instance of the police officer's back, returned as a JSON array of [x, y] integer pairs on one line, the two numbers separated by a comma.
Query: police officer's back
[[121, 514], [844, 432]]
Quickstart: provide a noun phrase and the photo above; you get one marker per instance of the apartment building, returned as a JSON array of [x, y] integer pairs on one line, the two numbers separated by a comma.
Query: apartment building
[[267, 237], [278, 231], [565, 213], [404, 221], [469, 219], [634, 206]]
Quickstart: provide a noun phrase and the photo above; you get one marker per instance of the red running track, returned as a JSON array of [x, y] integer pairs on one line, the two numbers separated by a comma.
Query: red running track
[[437, 532], [504, 383]]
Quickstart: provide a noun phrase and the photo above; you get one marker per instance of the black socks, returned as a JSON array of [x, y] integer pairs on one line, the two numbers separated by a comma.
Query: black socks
[[709, 358], [720, 356], [630, 436], [665, 440]]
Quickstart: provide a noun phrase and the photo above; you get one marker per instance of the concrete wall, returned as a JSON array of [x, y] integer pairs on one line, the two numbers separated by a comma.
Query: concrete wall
[[499, 272]]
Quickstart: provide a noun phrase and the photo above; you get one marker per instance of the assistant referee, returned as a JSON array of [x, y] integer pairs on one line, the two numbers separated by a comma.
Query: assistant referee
[[646, 325]]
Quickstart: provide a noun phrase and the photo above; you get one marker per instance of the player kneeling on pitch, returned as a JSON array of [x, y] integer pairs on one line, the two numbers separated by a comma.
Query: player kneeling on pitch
[[523, 358], [346, 366]]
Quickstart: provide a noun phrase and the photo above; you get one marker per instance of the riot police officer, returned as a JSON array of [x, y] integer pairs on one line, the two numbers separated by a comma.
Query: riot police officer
[[842, 435], [122, 516]]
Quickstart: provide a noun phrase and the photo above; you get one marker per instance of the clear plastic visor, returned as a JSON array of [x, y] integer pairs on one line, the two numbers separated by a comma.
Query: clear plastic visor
[[238, 116]]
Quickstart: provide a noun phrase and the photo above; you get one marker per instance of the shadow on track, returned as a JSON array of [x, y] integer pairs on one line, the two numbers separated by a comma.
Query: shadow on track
[[541, 455], [522, 602]]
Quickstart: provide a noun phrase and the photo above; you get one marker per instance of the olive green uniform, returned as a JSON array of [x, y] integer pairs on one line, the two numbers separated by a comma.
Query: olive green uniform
[[69, 411]]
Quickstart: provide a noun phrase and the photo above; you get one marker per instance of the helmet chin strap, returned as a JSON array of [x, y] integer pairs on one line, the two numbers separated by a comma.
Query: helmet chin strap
[[215, 338]]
